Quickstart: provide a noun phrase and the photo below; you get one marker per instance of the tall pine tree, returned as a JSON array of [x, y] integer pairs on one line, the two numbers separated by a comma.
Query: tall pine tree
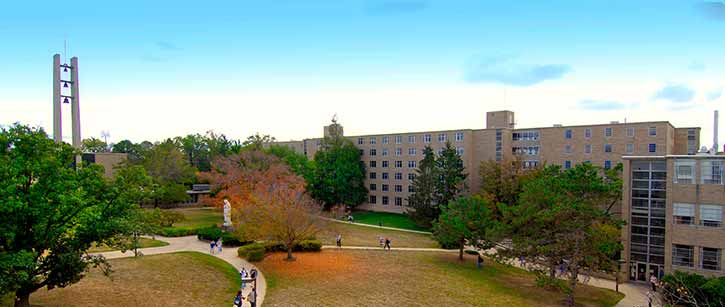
[[451, 176], [423, 207]]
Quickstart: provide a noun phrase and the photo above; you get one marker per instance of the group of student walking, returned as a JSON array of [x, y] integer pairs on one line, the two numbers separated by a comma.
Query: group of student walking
[[252, 296]]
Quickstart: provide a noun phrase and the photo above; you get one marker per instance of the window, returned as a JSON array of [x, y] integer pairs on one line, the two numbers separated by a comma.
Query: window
[[411, 151], [360, 141], [567, 133], [426, 138], [607, 147], [652, 131], [588, 133], [567, 164], [373, 187], [373, 199], [630, 148], [607, 164], [711, 258], [398, 139], [412, 164], [386, 187], [711, 171], [587, 148], [373, 152], [608, 131], [398, 176], [385, 152], [630, 131], [398, 151], [385, 200], [459, 151], [411, 139], [385, 164], [362, 152], [442, 137], [524, 136], [373, 175], [386, 140], [398, 201], [683, 214], [459, 136], [567, 148], [652, 147], [385, 176], [373, 141], [411, 176], [711, 215], [684, 171], [398, 188], [373, 164], [398, 164], [411, 189], [682, 255]]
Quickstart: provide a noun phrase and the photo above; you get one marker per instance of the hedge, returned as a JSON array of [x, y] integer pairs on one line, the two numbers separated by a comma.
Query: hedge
[[252, 252], [178, 231], [214, 233], [303, 246]]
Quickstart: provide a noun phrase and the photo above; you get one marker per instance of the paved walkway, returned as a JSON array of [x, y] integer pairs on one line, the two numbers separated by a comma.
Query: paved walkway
[[406, 249], [376, 226], [191, 243]]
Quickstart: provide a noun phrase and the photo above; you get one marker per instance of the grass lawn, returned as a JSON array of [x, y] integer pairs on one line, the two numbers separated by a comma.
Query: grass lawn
[[200, 217], [387, 219], [178, 279], [355, 235], [143, 242], [343, 278]]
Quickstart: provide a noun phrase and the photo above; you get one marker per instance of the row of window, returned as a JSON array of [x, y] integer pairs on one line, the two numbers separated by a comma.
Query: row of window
[[608, 132], [526, 150], [710, 215], [711, 171], [608, 148], [385, 200], [684, 256], [442, 137], [607, 164], [386, 188], [386, 176], [399, 151], [525, 136]]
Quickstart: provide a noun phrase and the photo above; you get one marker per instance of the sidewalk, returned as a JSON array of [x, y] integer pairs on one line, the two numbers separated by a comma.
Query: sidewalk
[[405, 249], [375, 226], [191, 243]]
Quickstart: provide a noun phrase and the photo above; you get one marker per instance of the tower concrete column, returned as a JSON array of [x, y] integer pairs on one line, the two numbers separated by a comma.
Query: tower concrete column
[[75, 103], [57, 118]]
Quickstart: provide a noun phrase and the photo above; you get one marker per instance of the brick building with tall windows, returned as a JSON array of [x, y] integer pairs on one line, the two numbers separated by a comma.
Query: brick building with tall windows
[[391, 159]]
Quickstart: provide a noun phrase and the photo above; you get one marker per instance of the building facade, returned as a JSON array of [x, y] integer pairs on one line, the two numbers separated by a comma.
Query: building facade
[[673, 206], [391, 159]]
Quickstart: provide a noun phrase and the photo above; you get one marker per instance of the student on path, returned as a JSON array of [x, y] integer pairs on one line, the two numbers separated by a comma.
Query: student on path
[[338, 239], [653, 281], [212, 245], [252, 297], [238, 299], [480, 261], [243, 275], [219, 244], [382, 242], [387, 243]]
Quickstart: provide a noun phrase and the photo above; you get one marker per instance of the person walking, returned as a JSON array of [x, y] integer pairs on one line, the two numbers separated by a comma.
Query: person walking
[[252, 297], [243, 275], [387, 243], [212, 245], [219, 244], [653, 280], [480, 261], [381, 241], [238, 299], [338, 240]]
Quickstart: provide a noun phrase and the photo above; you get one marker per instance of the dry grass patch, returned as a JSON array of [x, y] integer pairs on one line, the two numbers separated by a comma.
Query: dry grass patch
[[178, 279], [342, 278], [355, 235], [143, 243]]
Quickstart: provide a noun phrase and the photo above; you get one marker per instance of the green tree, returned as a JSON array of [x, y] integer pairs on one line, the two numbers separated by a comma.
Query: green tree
[[257, 141], [465, 220], [422, 202], [135, 151], [339, 174], [298, 163], [451, 175], [196, 150], [502, 182], [94, 145], [171, 172], [51, 213], [560, 219], [140, 222]]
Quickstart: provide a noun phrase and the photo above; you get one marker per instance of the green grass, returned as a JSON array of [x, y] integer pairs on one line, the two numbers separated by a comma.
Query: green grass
[[176, 279], [200, 217], [387, 219], [358, 235], [143, 242]]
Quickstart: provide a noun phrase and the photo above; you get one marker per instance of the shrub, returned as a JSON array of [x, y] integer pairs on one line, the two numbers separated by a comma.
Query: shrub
[[178, 231], [214, 233], [706, 291], [252, 252], [167, 218], [308, 246], [553, 284], [471, 252]]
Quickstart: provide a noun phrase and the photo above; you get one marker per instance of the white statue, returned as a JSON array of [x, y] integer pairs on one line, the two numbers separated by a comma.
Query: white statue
[[227, 214]]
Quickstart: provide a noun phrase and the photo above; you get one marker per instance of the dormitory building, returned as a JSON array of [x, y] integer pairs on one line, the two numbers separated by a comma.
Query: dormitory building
[[671, 224]]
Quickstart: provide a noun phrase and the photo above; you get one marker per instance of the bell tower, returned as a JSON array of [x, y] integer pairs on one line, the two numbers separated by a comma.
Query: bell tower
[[65, 91]]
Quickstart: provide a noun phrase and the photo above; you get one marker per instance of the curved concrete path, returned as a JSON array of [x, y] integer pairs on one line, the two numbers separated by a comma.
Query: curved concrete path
[[376, 226], [191, 243]]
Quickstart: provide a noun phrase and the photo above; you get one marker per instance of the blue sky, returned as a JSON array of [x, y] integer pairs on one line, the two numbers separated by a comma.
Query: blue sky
[[153, 69]]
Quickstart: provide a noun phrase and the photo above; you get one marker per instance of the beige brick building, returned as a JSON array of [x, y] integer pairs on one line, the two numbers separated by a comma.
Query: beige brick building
[[673, 205], [391, 159]]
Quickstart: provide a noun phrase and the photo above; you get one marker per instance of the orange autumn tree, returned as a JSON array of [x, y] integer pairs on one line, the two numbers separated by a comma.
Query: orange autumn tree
[[270, 202]]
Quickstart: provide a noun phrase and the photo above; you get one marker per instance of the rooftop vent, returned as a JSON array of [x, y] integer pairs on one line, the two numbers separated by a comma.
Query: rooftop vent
[[557, 125], [614, 122]]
